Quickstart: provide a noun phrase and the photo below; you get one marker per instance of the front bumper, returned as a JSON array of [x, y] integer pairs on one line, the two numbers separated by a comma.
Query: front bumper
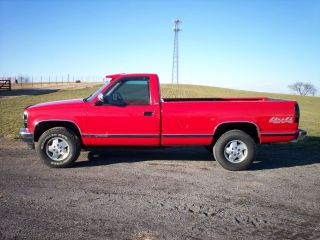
[[300, 137], [26, 137]]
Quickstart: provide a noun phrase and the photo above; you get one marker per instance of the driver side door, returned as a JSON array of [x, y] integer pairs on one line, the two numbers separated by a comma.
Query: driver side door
[[126, 116]]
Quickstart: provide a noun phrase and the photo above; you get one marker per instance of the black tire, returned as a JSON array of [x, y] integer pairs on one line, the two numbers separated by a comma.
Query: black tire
[[235, 141], [63, 135]]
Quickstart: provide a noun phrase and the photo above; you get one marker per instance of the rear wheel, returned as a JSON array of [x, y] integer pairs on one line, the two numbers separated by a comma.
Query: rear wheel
[[235, 150], [58, 147]]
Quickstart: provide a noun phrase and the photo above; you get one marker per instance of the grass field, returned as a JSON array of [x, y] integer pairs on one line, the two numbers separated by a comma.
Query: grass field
[[11, 108]]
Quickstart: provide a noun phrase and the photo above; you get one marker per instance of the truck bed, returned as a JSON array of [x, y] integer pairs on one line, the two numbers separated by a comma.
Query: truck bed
[[194, 120], [215, 99]]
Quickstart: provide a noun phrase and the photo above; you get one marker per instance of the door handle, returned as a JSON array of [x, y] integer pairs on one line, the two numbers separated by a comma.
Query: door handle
[[147, 114]]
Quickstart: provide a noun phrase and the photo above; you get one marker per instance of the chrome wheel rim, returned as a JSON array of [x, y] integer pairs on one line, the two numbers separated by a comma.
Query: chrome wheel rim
[[57, 149], [235, 151]]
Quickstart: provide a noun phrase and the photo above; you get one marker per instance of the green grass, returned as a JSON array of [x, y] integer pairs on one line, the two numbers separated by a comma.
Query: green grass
[[11, 108]]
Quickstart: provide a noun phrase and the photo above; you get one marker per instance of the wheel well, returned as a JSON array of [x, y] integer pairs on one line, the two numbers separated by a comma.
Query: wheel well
[[249, 128], [44, 126]]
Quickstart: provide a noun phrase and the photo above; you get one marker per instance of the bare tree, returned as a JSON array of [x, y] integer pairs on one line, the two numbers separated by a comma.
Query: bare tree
[[303, 89], [312, 89]]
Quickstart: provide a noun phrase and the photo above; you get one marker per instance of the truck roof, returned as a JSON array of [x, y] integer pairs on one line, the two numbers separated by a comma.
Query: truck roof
[[113, 76]]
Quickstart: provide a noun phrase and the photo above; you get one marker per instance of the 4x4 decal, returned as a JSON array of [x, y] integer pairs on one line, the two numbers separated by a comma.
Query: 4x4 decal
[[281, 120]]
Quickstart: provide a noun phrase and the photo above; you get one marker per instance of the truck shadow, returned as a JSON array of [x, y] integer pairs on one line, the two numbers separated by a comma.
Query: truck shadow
[[268, 157], [26, 92], [287, 155], [110, 156]]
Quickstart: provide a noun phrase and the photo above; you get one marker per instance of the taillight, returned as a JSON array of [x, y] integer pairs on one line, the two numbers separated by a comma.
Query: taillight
[[296, 113]]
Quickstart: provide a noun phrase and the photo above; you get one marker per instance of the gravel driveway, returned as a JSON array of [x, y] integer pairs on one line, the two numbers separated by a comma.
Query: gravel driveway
[[173, 193]]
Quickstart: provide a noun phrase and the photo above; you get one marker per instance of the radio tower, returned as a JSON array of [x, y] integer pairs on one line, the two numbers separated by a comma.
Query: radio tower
[[175, 64]]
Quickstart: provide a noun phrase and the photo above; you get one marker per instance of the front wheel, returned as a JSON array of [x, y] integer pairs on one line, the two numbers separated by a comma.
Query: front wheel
[[58, 147], [235, 150]]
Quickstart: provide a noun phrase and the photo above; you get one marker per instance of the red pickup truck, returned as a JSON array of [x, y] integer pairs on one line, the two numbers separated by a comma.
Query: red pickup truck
[[128, 111]]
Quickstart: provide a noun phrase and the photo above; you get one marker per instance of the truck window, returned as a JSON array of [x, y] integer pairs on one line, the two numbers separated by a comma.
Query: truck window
[[132, 92]]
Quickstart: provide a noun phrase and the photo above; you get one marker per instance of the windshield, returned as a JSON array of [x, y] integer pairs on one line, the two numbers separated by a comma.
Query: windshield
[[93, 95]]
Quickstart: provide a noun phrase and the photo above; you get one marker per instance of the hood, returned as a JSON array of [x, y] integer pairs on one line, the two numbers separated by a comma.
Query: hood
[[61, 103]]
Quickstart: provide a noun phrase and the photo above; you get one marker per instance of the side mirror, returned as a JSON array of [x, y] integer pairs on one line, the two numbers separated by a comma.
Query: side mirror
[[100, 98], [114, 99]]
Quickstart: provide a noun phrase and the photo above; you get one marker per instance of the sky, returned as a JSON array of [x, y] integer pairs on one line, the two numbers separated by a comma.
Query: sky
[[261, 45]]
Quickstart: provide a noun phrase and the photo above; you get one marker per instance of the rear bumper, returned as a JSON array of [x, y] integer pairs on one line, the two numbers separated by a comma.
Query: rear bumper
[[26, 137], [300, 137]]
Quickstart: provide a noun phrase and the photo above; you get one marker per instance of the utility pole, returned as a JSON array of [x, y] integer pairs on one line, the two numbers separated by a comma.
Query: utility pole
[[175, 63]]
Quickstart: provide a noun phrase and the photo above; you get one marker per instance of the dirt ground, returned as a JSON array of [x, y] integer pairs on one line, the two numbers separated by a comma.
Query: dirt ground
[[172, 193]]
